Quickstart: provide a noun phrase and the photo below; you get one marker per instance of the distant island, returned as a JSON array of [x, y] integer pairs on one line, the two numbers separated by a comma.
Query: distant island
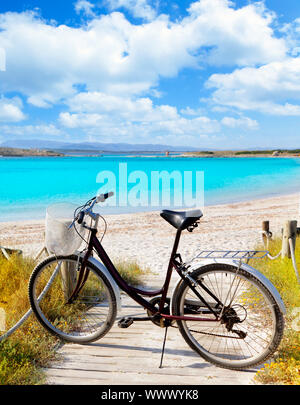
[[245, 153], [17, 152], [38, 147], [19, 148]]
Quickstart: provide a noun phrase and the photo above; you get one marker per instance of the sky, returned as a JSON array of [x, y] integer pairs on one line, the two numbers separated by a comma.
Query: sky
[[214, 74]]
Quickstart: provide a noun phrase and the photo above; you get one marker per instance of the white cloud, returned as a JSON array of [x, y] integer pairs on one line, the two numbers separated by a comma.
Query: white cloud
[[11, 110], [32, 130], [119, 65], [191, 111], [84, 6], [242, 122], [45, 62], [178, 130], [80, 120], [140, 109], [2, 60], [273, 88], [102, 115], [241, 36], [138, 8], [291, 33]]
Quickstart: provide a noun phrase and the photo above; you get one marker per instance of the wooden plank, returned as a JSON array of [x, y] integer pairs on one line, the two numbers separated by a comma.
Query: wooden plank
[[126, 367], [116, 378]]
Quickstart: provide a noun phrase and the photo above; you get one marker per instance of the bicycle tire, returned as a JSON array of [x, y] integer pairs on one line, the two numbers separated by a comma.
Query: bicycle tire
[[212, 340], [88, 317]]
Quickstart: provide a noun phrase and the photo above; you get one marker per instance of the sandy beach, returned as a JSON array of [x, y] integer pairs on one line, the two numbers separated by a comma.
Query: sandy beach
[[147, 238]]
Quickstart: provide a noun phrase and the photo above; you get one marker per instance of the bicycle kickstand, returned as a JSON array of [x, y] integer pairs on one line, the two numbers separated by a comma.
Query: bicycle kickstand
[[163, 348]]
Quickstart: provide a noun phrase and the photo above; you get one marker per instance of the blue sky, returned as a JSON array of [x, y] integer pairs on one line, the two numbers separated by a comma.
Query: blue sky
[[209, 73]]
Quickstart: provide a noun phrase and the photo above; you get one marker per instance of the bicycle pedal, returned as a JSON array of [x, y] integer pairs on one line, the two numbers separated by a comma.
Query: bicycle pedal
[[125, 323]]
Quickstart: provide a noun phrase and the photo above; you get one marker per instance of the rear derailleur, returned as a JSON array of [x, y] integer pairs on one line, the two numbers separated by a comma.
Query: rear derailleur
[[230, 318]]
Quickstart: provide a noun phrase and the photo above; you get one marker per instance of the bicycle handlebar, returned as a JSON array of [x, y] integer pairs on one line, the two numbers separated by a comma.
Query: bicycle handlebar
[[80, 217]]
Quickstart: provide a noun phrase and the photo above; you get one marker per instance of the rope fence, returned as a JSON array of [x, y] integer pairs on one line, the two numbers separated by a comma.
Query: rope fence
[[268, 237]]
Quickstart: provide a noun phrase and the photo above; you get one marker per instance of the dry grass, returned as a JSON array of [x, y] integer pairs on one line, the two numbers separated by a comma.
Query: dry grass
[[285, 367], [30, 348]]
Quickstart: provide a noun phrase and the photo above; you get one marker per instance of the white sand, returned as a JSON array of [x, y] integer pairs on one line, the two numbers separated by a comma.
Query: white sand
[[147, 238]]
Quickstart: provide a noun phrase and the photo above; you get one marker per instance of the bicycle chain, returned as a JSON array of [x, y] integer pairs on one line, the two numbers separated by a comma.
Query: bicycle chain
[[210, 334]]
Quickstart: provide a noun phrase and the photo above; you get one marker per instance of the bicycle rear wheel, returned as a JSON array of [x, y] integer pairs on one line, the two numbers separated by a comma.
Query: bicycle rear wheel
[[88, 317], [251, 324]]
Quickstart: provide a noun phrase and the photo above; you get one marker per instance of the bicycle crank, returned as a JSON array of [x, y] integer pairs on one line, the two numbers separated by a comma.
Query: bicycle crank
[[159, 320]]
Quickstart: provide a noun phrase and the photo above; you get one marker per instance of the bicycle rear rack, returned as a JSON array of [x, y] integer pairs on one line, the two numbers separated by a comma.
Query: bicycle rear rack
[[239, 255]]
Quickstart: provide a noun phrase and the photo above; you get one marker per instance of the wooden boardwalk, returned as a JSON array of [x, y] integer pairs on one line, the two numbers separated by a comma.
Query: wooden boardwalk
[[132, 357]]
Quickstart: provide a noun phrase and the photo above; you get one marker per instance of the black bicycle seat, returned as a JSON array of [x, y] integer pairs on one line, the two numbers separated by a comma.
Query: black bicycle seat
[[181, 219]]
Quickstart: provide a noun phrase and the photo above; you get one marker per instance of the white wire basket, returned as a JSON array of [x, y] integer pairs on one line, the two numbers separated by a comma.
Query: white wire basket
[[59, 238]]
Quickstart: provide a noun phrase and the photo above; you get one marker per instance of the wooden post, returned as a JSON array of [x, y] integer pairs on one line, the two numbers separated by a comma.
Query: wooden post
[[265, 228], [68, 276], [289, 231]]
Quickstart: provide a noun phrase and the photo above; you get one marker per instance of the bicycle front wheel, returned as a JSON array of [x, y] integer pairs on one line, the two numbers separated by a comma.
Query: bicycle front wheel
[[250, 324], [86, 318]]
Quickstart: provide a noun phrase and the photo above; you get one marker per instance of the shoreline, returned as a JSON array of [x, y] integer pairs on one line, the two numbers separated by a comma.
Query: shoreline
[[171, 155], [142, 156], [157, 210], [258, 155], [146, 238]]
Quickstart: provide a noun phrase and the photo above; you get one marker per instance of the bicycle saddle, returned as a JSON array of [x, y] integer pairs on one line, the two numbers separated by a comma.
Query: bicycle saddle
[[181, 219]]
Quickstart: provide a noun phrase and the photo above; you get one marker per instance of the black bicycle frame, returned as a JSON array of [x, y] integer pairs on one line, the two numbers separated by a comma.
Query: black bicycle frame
[[136, 293]]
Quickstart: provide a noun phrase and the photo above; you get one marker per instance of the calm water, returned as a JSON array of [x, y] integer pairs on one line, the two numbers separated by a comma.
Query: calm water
[[29, 185]]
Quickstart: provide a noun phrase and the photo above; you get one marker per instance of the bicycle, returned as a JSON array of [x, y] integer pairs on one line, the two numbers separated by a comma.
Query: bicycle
[[227, 311]]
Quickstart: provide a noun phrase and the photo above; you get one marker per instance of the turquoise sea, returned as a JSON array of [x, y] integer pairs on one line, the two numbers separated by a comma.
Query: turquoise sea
[[29, 185]]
